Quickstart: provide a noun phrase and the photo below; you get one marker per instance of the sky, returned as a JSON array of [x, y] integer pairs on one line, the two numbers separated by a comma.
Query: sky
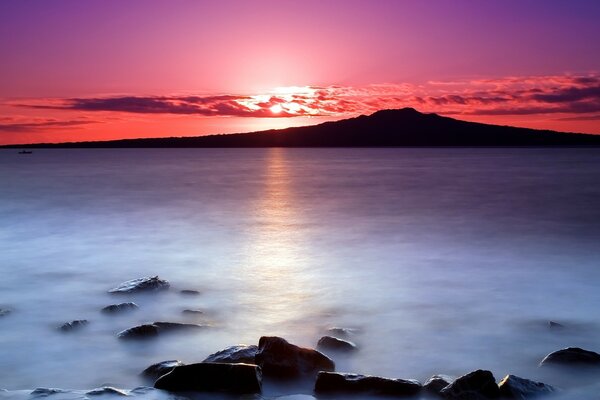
[[73, 70]]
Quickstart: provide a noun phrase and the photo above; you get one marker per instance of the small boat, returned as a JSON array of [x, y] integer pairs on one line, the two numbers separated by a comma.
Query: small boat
[[25, 152]]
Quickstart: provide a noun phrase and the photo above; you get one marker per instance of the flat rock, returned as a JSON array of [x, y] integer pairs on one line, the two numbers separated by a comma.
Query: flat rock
[[334, 382], [106, 390], [334, 344], [211, 377], [514, 387], [476, 385], [278, 358], [145, 284], [118, 308], [436, 383], [234, 354], [159, 369], [572, 356], [192, 312], [189, 292], [73, 325], [153, 329]]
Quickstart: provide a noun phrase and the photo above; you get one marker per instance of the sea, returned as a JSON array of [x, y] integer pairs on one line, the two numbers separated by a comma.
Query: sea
[[438, 260]]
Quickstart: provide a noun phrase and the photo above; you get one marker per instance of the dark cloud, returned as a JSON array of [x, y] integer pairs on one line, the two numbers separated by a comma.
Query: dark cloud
[[40, 125]]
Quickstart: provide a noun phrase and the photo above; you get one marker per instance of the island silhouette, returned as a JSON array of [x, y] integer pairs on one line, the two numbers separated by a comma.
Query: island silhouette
[[404, 127]]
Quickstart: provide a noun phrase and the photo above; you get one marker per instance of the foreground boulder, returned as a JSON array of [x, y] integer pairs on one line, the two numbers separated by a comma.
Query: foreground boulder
[[121, 307], [212, 377], [73, 325], [234, 354], [513, 387], [436, 383], [159, 369], [334, 382], [153, 329], [334, 344], [146, 284], [572, 356], [278, 358], [477, 385]]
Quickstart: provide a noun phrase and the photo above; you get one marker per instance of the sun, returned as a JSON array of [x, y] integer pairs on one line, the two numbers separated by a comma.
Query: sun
[[276, 109]]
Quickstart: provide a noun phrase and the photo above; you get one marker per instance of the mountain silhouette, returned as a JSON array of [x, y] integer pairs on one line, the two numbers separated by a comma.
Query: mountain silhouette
[[386, 128]]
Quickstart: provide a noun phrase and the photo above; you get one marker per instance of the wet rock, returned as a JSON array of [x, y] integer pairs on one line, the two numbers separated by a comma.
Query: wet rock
[[189, 292], [45, 392], [210, 377], [106, 390], [149, 283], [513, 387], [341, 332], [572, 356], [278, 358], [436, 383], [192, 312], [555, 325], [334, 382], [153, 329], [334, 344], [234, 354], [476, 385], [73, 325], [4, 312], [159, 369], [121, 307]]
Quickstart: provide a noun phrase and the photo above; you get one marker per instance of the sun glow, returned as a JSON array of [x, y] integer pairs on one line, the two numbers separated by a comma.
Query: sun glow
[[276, 109]]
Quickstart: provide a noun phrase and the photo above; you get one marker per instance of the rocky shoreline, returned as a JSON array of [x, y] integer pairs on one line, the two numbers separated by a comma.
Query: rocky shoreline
[[240, 371]]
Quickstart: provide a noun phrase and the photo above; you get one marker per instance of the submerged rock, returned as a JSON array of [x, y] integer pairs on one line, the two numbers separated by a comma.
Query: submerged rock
[[513, 387], [281, 359], [148, 283], [4, 312], [234, 354], [476, 385], [159, 369], [45, 392], [152, 330], [189, 292], [192, 312], [73, 325], [436, 383], [335, 382], [572, 356], [555, 325], [335, 344], [210, 377], [106, 390], [121, 307]]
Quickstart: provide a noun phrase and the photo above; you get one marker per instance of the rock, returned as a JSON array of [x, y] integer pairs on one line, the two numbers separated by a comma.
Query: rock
[[334, 344], [188, 292], [106, 390], [555, 325], [513, 387], [476, 385], [572, 356], [4, 312], [159, 369], [195, 312], [73, 325], [341, 332], [121, 307], [334, 382], [436, 383], [281, 359], [45, 392], [153, 329], [210, 377], [234, 354], [149, 283]]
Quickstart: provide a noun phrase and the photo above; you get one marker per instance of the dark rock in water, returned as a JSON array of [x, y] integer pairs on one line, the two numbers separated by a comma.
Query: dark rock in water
[[106, 390], [139, 332], [117, 308], [194, 312], [234, 354], [153, 329], [45, 392], [477, 385], [572, 356], [513, 387], [278, 358], [149, 283], [335, 344], [555, 325], [334, 382], [341, 332], [210, 377], [436, 383], [73, 325], [190, 292], [159, 369], [4, 312]]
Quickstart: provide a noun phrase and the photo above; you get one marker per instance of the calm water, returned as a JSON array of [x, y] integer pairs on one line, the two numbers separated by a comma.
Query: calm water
[[444, 260]]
